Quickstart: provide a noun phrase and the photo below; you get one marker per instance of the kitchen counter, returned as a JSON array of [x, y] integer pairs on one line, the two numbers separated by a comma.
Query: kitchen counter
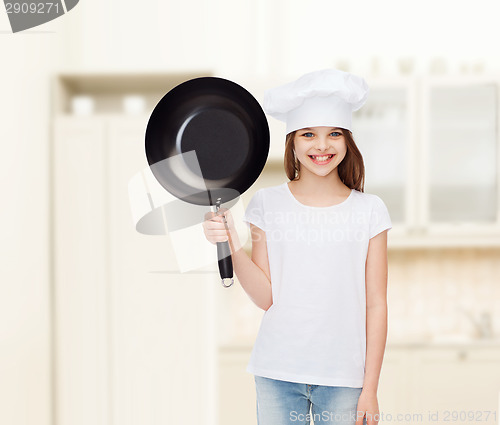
[[436, 342]]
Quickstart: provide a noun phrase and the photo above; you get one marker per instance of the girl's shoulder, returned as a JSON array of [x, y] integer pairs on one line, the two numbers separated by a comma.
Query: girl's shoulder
[[368, 200], [272, 190], [364, 195]]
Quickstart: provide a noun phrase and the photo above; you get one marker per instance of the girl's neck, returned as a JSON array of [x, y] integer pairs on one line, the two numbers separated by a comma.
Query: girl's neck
[[315, 185]]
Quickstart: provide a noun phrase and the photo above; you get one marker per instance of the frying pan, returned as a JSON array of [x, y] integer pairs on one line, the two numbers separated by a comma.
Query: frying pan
[[207, 141]]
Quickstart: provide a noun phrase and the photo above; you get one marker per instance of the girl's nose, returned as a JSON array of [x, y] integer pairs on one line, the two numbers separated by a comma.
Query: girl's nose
[[322, 142]]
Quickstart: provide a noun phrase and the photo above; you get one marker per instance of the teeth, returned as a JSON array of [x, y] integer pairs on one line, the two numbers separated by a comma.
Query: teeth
[[321, 158]]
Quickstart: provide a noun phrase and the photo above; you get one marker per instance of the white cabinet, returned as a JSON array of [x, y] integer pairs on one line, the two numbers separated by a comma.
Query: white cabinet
[[462, 147], [80, 272], [460, 155], [395, 375], [159, 318], [431, 151], [384, 131], [134, 338], [451, 383], [458, 381]]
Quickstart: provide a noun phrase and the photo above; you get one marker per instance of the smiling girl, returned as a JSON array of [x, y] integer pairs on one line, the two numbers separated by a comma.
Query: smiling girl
[[318, 265]]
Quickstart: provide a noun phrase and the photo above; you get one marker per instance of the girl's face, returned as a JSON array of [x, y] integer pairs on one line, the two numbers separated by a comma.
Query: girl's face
[[320, 149]]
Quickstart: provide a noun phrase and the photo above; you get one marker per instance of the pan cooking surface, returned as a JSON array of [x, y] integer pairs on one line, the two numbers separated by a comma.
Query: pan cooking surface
[[226, 128], [219, 137]]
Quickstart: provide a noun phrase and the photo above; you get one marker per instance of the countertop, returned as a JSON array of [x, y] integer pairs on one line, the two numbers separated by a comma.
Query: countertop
[[416, 342]]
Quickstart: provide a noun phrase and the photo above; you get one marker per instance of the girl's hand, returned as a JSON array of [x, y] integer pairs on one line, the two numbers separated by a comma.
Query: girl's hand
[[215, 230], [367, 406]]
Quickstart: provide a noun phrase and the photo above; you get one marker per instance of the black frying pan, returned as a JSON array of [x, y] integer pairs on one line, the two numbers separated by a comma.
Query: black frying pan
[[225, 127]]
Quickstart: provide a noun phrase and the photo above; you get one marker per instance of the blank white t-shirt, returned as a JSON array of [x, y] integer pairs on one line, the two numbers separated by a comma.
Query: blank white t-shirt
[[315, 332]]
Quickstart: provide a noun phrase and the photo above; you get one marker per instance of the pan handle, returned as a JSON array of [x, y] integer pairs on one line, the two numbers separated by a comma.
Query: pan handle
[[225, 263], [224, 255]]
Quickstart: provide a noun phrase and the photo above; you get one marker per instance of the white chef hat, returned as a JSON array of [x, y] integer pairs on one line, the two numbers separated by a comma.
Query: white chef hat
[[320, 98]]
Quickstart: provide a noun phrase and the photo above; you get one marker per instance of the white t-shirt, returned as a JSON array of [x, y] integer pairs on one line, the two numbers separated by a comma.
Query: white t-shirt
[[315, 330]]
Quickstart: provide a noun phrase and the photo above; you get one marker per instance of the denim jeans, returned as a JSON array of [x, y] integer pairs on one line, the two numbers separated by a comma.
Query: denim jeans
[[291, 403]]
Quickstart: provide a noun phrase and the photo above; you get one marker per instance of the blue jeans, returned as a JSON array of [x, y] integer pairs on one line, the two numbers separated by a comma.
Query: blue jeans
[[289, 403]]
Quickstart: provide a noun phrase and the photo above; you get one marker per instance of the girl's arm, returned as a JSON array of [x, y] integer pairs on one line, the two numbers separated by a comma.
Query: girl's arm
[[376, 309], [376, 327], [253, 274]]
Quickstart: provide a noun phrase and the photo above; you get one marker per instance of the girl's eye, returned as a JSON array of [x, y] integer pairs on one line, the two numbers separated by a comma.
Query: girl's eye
[[334, 133]]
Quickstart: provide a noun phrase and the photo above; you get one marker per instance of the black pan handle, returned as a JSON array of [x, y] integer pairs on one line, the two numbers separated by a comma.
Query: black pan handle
[[224, 255], [225, 262]]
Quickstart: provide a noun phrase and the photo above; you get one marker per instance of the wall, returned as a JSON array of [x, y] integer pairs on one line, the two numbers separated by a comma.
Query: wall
[[25, 290], [429, 290]]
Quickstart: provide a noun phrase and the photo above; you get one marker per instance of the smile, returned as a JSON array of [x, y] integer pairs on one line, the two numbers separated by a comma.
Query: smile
[[321, 159]]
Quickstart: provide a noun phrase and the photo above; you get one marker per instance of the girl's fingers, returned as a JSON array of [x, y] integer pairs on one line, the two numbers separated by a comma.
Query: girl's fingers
[[212, 225], [210, 215], [215, 233], [217, 218]]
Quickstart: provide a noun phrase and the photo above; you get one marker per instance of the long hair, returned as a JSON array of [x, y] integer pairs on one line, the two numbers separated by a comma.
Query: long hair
[[351, 170]]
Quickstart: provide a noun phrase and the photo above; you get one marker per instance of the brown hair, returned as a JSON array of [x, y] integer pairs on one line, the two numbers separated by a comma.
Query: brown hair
[[351, 170]]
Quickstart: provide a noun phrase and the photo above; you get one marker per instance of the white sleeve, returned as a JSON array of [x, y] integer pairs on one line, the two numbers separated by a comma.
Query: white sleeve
[[379, 218], [254, 212]]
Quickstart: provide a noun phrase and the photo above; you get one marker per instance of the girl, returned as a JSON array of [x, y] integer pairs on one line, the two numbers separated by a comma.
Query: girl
[[319, 263]]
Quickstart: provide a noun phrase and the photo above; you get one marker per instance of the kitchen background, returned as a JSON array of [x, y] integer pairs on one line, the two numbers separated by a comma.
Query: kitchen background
[[98, 325]]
